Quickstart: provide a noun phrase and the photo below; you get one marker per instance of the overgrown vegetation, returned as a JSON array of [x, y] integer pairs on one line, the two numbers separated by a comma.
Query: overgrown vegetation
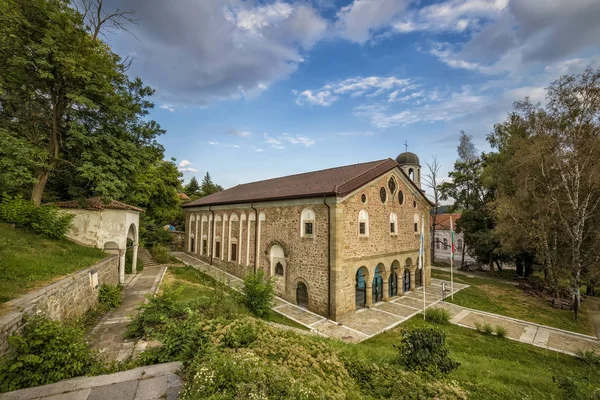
[[484, 328], [110, 296], [44, 220], [437, 315], [258, 293], [30, 261], [47, 351], [424, 349], [162, 254]]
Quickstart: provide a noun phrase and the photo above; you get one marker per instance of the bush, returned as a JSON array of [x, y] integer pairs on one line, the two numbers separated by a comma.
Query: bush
[[437, 315], [484, 328], [160, 253], [258, 293], [155, 315], [110, 296], [44, 220], [501, 331], [425, 349], [45, 352]]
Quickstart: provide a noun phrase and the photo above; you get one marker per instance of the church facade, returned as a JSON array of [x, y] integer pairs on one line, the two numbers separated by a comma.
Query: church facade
[[334, 240]]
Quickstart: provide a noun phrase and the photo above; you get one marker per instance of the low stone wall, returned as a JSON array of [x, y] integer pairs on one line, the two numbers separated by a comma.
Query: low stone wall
[[67, 298]]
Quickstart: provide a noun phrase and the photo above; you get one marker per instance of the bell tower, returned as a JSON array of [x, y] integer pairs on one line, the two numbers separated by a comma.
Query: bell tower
[[409, 162]]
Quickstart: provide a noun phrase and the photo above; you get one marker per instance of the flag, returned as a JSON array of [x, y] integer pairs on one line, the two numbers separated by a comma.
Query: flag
[[451, 239], [422, 244]]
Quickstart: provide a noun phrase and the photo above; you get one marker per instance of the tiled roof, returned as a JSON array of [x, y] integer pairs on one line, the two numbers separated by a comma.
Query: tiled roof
[[442, 221], [96, 203], [338, 181]]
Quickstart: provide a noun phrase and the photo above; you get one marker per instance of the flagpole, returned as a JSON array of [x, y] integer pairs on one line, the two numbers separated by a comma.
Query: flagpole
[[451, 259], [421, 261]]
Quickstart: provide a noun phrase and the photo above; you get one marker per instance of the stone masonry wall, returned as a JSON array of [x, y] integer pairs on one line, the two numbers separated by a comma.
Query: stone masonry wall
[[66, 299]]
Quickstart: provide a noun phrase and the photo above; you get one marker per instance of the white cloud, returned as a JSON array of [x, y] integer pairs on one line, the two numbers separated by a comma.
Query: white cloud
[[185, 166], [213, 143], [168, 107], [239, 133], [306, 142], [188, 169], [278, 142], [371, 86], [257, 149], [185, 163]]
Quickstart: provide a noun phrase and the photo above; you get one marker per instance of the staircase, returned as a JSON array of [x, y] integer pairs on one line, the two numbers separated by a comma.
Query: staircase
[[146, 258]]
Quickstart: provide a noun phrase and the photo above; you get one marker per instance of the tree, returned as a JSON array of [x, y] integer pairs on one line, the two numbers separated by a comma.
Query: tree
[[96, 18], [549, 179], [192, 188], [432, 181], [67, 105], [208, 187]]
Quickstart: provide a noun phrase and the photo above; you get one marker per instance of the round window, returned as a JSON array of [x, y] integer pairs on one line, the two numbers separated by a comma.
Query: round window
[[383, 194], [363, 198], [392, 185], [400, 197]]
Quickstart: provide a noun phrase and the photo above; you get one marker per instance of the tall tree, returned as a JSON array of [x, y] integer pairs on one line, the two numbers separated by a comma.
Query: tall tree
[[208, 187], [433, 182], [549, 185], [193, 187], [66, 101]]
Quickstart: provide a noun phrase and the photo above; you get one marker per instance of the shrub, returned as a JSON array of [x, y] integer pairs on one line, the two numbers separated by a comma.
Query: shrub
[[425, 349], [160, 253], [437, 315], [44, 220], [484, 328], [45, 352], [110, 296], [156, 314], [501, 331], [258, 293]]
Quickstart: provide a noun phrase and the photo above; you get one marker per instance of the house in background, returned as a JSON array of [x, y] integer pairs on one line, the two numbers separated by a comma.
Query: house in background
[[443, 238], [334, 240]]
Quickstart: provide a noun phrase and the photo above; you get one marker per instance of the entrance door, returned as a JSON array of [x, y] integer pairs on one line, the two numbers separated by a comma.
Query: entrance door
[[361, 290], [302, 295], [393, 284], [419, 277], [406, 280], [377, 288]]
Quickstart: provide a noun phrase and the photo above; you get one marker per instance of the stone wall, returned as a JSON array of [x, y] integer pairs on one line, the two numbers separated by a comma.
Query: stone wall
[[65, 299]]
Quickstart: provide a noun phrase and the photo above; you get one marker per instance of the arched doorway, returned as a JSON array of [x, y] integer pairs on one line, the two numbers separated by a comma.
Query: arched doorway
[[393, 280], [361, 287], [406, 280], [302, 295], [378, 285], [418, 276]]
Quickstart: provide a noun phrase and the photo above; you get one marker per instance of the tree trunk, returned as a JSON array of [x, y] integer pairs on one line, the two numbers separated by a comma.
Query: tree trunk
[[499, 265], [41, 176], [464, 250], [491, 264]]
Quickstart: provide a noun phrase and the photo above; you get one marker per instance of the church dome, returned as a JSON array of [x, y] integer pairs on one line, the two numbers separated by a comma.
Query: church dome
[[407, 158]]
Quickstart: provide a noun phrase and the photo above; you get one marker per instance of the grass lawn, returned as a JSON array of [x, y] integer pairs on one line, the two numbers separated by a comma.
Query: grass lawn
[[493, 368], [29, 261], [502, 298], [193, 284]]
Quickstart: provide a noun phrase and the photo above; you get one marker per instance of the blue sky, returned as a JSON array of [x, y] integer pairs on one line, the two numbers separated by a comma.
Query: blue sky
[[250, 90]]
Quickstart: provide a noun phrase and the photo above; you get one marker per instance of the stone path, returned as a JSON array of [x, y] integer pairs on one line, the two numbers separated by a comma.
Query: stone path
[[523, 331], [145, 383], [355, 327], [107, 335]]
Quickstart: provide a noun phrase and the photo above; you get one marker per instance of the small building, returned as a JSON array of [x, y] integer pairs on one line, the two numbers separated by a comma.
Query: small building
[[443, 239], [334, 240], [111, 226]]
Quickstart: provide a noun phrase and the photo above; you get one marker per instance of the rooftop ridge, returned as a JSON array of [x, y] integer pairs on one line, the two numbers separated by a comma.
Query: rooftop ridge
[[381, 162]]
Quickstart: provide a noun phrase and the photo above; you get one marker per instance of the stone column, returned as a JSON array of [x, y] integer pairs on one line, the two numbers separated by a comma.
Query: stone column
[[386, 296], [369, 294], [121, 266], [196, 235], [412, 279], [134, 260]]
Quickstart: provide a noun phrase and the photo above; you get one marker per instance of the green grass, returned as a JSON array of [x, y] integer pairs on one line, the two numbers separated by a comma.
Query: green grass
[[194, 284], [505, 299], [491, 367], [29, 261]]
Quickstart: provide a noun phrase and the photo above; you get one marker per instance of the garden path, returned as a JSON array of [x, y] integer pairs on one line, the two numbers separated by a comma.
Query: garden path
[[107, 336]]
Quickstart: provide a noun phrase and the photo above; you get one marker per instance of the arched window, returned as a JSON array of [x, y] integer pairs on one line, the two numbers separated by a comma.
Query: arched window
[[445, 244], [393, 224], [411, 174], [392, 185], [279, 269], [307, 223], [383, 194], [437, 243], [363, 223], [233, 246], [400, 197], [460, 245], [416, 222]]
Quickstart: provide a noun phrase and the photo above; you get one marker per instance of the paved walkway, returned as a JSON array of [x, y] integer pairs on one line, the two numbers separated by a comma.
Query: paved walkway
[[107, 335], [354, 327], [145, 383]]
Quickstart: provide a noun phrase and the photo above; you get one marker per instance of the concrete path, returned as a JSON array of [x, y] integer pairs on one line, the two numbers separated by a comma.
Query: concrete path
[[107, 335], [354, 327], [145, 383], [523, 331], [594, 309]]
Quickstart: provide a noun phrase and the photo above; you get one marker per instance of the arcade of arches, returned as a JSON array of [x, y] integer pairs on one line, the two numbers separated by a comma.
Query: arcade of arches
[[386, 282]]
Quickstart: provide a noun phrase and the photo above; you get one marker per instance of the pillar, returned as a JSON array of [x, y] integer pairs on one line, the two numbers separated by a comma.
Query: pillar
[[196, 235], [386, 296], [412, 279], [369, 294], [134, 260], [121, 266]]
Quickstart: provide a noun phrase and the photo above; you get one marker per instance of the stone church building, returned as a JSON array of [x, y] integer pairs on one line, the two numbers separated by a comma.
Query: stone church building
[[334, 240]]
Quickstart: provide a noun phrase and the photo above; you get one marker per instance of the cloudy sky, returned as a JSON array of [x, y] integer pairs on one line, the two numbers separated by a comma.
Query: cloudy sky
[[251, 90]]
